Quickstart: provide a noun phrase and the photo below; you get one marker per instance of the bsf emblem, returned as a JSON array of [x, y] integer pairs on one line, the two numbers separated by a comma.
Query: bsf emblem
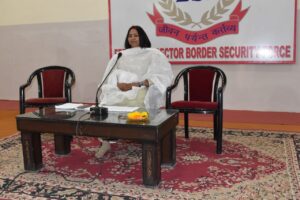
[[211, 24]]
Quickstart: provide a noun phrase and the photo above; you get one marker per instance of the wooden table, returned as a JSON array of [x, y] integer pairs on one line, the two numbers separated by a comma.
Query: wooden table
[[157, 135]]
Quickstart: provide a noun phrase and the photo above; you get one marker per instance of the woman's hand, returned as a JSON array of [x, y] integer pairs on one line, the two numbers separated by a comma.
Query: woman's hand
[[126, 86]]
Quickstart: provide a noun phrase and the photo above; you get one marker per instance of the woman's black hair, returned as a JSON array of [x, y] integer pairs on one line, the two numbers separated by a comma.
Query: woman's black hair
[[144, 40]]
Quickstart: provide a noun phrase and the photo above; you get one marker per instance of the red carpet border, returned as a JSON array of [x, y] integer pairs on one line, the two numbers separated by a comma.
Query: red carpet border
[[254, 165]]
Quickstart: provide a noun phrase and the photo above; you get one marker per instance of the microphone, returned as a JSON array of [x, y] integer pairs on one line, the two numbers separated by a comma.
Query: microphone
[[102, 111]]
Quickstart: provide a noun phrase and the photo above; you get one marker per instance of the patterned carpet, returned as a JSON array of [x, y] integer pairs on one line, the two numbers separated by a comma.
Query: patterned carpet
[[254, 165]]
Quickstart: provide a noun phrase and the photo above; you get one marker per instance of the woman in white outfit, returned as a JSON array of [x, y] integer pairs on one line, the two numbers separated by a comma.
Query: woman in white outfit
[[140, 77]]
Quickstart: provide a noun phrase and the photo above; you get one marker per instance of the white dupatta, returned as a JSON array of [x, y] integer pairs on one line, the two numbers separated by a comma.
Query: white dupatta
[[138, 64]]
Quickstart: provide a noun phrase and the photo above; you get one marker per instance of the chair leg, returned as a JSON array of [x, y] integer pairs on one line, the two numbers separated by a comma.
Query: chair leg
[[186, 124], [22, 109], [215, 118], [219, 132]]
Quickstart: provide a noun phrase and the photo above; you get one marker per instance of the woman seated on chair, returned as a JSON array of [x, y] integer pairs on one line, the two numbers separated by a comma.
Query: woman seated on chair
[[140, 77]]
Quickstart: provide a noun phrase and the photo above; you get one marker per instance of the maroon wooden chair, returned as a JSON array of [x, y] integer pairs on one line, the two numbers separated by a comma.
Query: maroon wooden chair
[[54, 87], [203, 94]]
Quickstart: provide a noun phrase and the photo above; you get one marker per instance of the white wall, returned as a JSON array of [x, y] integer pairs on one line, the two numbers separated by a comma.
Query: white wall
[[83, 46], [16, 12]]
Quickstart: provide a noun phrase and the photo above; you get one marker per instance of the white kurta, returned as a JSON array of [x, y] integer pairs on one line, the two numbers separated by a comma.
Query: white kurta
[[138, 64]]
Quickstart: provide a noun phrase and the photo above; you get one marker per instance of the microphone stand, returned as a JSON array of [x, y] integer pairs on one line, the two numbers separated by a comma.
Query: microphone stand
[[97, 111]]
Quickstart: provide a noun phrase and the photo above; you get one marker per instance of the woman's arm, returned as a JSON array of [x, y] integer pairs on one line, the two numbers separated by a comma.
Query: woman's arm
[[128, 86]]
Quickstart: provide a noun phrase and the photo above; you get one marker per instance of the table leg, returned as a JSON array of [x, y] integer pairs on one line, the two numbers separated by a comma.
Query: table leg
[[151, 164], [32, 150], [62, 144], [169, 149]]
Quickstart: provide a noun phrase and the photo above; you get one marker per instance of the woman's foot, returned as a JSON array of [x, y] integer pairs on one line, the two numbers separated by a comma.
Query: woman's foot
[[105, 147]]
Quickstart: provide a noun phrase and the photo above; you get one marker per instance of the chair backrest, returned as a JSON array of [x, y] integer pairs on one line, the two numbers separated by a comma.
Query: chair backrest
[[53, 81], [201, 82]]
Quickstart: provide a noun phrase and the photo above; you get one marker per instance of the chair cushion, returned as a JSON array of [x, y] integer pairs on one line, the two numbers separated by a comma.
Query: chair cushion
[[195, 105], [40, 101]]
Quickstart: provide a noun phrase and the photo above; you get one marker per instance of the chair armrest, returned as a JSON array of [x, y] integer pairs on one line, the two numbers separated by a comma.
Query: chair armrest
[[68, 86], [168, 97], [22, 96], [22, 87], [22, 90], [70, 82], [220, 89], [171, 87], [169, 94], [220, 97]]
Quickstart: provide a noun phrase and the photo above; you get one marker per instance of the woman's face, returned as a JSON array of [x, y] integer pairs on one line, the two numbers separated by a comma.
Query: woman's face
[[133, 38]]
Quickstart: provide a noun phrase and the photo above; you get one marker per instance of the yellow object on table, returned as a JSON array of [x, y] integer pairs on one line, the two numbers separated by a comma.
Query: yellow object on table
[[138, 116]]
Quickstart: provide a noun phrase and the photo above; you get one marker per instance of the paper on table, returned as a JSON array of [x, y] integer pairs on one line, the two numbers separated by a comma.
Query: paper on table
[[84, 107], [79, 106], [68, 106], [118, 108], [121, 108]]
